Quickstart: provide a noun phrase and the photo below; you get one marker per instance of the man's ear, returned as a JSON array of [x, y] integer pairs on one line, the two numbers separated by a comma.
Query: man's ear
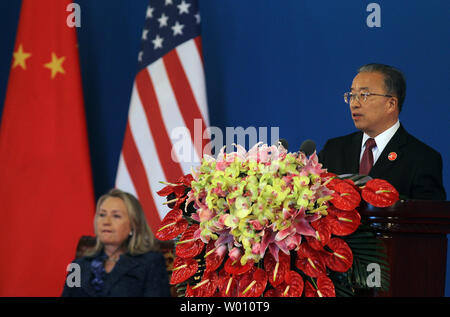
[[392, 104]]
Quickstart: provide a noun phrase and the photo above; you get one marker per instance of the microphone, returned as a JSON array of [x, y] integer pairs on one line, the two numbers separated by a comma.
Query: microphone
[[308, 147], [284, 143]]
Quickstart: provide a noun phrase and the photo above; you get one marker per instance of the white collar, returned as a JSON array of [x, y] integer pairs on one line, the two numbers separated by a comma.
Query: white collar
[[381, 140]]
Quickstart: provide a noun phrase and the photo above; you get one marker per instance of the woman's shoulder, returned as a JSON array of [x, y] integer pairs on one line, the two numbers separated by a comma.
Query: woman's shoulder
[[153, 256], [85, 259]]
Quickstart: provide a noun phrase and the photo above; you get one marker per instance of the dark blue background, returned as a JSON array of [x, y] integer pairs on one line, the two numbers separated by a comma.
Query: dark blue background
[[268, 63]]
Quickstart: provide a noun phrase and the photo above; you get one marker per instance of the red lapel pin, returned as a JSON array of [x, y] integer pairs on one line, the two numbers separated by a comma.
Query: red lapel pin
[[392, 156]]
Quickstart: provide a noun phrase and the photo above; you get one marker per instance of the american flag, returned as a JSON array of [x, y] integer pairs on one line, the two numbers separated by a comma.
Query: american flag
[[169, 95]]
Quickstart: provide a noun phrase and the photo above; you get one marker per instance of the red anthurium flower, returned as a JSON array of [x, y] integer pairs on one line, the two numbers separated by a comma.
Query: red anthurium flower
[[330, 180], [332, 183], [179, 202], [310, 261], [253, 285], [189, 292], [189, 246], [235, 267], [325, 288], [350, 181], [182, 270], [342, 257], [178, 190], [186, 180], [327, 175], [166, 191], [379, 193], [276, 270], [206, 287], [251, 271], [176, 193], [175, 214], [345, 196], [273, 292], [214, 255], [323, 234], [172, 225], [228, 285], [292, 285], [343, 223]]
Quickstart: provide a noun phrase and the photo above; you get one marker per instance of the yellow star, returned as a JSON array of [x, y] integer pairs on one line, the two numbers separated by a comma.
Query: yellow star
[[20, 57], [56, 65]]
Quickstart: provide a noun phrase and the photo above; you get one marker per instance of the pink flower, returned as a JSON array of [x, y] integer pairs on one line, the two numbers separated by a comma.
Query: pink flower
[[302, 159], [205, 214], [200, 200], [289, 238], [268, 241], [225, 159], [264, 153], [235, 254], [256, 224], [225, 238], [220, 250], [218, 191], [293, 241], [198, 235], [221, 166], [256, 248], [312, 166]]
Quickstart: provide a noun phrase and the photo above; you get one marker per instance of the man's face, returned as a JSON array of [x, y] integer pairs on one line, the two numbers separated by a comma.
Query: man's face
[[374, 115]]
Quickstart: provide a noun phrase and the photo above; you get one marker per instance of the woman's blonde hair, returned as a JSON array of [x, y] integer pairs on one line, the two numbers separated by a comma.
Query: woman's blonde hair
[[142, 239]]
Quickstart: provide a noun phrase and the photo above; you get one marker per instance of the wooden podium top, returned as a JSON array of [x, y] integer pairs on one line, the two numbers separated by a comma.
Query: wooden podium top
[[411, 216]]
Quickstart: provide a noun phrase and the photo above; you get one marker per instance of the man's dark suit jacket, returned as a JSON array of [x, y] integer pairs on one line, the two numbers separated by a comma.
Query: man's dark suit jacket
[[132, 276], [416, 172]]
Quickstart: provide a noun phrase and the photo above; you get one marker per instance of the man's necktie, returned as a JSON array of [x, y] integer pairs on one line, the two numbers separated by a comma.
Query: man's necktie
[[367, 158]]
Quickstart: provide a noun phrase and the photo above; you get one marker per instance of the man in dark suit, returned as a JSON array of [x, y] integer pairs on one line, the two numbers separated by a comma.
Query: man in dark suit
[[382, 148]]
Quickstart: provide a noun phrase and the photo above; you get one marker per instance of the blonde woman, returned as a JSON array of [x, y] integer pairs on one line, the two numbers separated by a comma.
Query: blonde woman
[[125, 260]]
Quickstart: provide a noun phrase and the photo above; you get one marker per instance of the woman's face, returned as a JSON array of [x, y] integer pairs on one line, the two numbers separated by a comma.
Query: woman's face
[[112, 222]]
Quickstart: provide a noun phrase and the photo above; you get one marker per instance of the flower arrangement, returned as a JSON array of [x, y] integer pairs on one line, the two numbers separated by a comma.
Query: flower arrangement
[[265, 223]]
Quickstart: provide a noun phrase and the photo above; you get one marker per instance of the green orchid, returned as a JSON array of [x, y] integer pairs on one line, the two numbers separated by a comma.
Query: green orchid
[[244, 194]]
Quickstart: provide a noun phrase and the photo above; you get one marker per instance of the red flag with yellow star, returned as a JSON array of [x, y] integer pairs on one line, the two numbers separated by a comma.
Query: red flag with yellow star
[[46, 192]]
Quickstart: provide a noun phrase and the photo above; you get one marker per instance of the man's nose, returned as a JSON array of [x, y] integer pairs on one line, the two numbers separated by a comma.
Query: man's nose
[[354, 103]]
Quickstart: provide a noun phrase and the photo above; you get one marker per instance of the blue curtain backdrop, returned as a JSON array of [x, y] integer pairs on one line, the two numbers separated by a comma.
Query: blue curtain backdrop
[[268, 63]]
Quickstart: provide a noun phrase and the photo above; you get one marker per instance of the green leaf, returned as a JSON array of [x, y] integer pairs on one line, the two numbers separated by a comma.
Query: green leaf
[[371, 259], [343, 291]]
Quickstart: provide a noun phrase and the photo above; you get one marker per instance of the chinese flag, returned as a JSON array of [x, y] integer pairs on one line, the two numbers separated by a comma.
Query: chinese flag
[[46, 192]]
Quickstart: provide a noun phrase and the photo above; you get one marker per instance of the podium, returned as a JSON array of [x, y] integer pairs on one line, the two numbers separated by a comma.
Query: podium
[[415, 236]]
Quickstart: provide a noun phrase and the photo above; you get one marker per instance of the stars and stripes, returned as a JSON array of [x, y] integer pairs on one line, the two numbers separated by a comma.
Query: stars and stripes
[[168, 96]]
